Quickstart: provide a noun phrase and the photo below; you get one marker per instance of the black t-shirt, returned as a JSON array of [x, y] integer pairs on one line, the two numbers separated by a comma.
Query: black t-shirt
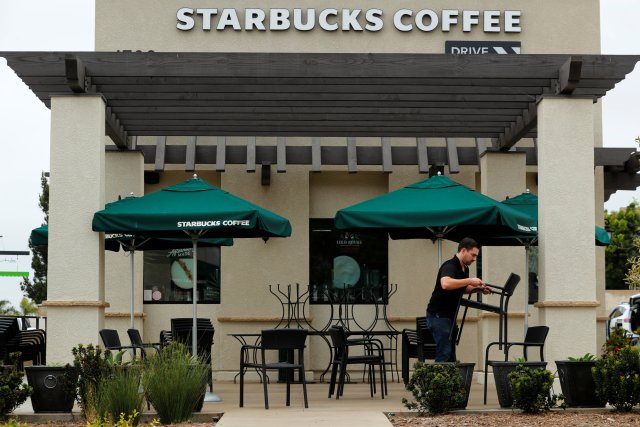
[[445, 303]]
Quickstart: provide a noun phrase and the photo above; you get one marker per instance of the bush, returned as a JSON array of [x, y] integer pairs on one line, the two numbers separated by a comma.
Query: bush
[[174, 382], [130, 421], [13, 423], [617, 340], [119, 396], [531, 389], [436, 388], [90, 366], [617, 378], [13, 392]]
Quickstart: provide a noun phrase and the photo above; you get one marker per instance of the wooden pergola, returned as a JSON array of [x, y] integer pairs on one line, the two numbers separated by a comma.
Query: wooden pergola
[[492, 98]]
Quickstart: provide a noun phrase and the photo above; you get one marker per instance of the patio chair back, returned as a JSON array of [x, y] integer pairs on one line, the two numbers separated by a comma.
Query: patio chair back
[[275, 339], [512, 282], [535, 337], [135, 337], [110, 339], [137, 343]]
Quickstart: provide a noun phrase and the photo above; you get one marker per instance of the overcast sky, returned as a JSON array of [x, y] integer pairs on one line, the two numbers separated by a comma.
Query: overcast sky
[[69, 25]]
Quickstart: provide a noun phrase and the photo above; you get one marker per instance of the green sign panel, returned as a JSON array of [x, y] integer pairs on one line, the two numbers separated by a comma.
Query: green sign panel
[[14, 274]]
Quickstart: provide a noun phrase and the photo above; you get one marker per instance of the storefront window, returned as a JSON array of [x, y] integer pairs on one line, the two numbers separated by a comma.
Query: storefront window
[[346, 266], [168, 276]]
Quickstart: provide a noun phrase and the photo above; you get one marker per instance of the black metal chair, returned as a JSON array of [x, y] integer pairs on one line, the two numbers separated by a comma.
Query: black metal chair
[[504, 292], [287, 340], [373, 354], [136, 343], [418, 344], [165, 338], [111, 340], [535, 337]]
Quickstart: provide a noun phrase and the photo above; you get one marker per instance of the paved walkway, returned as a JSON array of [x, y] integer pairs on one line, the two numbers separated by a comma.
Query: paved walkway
[[354, 409]]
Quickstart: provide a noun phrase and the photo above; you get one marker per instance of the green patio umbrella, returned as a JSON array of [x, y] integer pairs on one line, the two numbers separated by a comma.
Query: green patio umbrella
[[436, 208], [40, 237], [527, 203], [192, 208]]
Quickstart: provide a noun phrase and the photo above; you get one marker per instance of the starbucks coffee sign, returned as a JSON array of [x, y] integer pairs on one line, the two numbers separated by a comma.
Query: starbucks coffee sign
[[372, 20]]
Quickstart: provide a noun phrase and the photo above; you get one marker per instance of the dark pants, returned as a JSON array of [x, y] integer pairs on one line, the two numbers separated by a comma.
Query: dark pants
[[440, 328]]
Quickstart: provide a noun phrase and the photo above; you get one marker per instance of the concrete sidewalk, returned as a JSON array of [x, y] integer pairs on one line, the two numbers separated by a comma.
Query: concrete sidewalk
[[354, 409]]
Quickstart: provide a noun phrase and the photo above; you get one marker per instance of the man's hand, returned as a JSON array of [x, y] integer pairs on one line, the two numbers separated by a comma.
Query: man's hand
[[486, 290], [476, 283]]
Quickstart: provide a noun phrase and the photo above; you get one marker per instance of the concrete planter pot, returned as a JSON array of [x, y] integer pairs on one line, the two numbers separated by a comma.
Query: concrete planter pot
[[577, 384], [501, 371], [466, 371], [49, 391]]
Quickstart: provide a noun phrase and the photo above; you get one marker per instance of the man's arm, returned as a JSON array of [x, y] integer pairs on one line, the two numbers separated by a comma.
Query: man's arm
[[449, 283]]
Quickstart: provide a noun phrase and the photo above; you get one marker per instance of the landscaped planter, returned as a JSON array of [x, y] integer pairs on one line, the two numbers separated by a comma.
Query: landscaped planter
[[49, 391], [577, 384], [501, 371], [5, 369], [466, 371]]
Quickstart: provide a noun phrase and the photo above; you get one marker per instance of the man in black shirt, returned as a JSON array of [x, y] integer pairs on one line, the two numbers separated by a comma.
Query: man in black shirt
[[452, 281]]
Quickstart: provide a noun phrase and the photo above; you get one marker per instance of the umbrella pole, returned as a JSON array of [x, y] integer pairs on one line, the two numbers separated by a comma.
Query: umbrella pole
[[132, 289], [526, 291], [194, 337], [439, 251]]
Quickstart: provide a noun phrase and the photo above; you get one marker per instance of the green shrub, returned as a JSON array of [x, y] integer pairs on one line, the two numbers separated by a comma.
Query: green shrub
[[436, 388], [617, 340], [84, 377], [174, 382], [617, 377], [130, 421], [588, 357], [531, 389], [119, 395], [12, 422], [13, 392]]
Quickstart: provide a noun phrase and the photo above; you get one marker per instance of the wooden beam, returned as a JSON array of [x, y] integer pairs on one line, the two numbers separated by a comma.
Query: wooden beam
[[452, 155], [161, 144], [423, 156], [481, 147], [316, 155], [368, 155], [75, 74], [115, 130], [221, 153], [190, 162], [569, 76], [281, 154], [519, 129], [352, 155], [265, 173], [387, 159], [251, 154]]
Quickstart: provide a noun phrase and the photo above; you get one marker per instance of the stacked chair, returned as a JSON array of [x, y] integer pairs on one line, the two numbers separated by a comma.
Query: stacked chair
[[30, 343], [368, 352], [417, 343], [181, 330]]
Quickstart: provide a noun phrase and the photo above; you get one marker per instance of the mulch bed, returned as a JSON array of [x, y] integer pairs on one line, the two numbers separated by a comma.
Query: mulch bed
[[505, 418]]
